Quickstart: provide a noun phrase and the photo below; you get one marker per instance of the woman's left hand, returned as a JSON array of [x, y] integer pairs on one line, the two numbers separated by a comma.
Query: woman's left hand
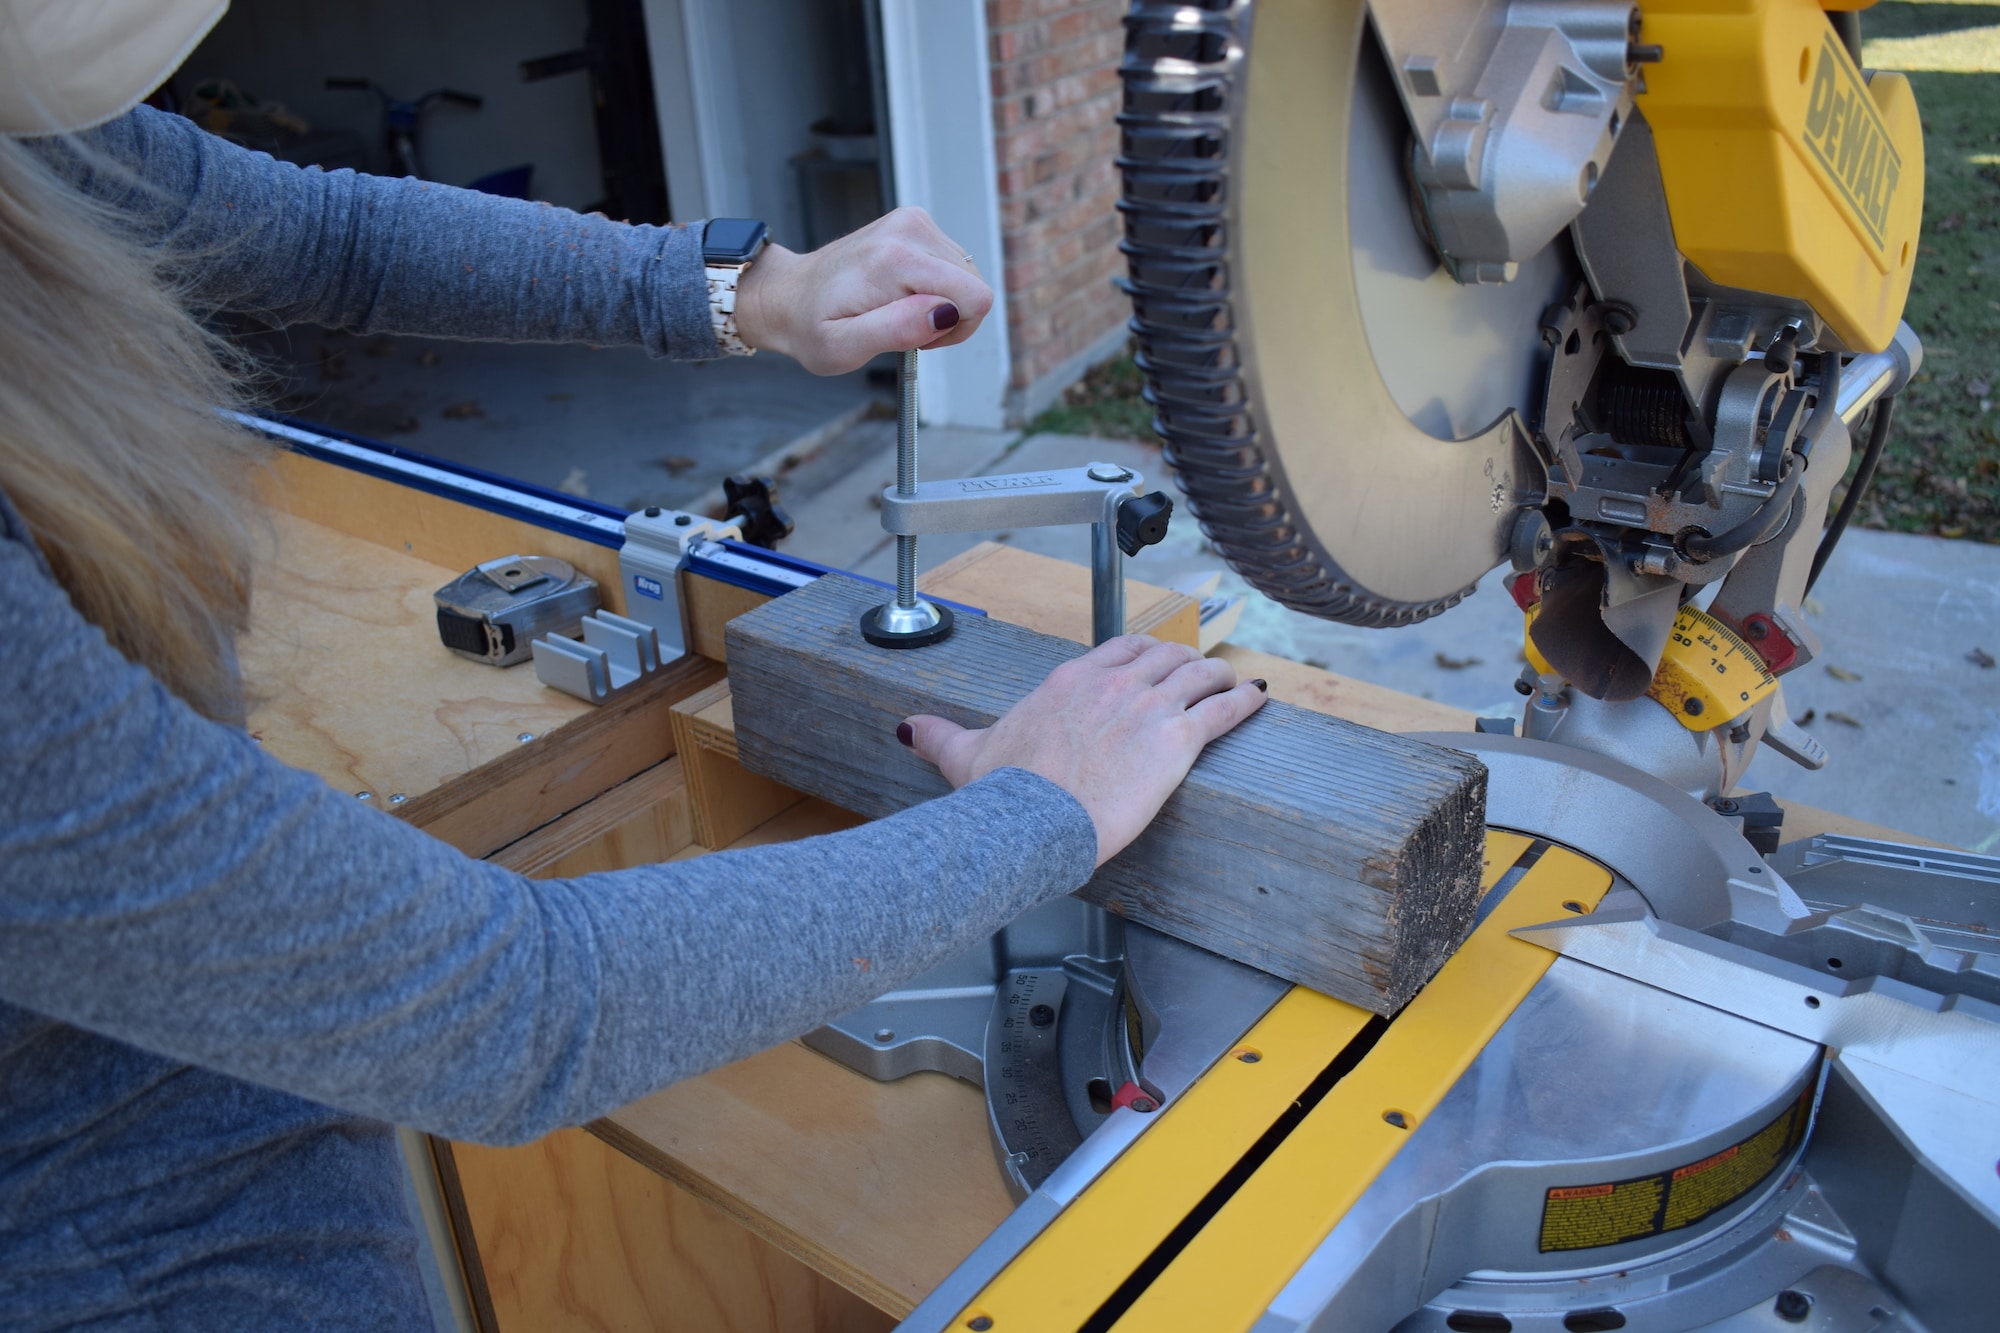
[[898, 283]]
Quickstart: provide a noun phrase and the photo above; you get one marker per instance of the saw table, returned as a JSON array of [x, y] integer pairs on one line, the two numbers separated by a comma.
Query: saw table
[[782, 1192]]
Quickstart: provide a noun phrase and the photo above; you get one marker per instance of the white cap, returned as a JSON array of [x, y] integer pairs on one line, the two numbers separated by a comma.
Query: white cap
[[67, 65]]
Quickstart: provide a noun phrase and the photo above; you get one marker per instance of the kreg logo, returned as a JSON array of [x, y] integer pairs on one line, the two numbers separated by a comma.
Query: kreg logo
[[650, 587]]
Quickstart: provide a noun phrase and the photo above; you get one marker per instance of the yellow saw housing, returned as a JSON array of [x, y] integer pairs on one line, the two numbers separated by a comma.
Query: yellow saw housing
[[1787, 170]]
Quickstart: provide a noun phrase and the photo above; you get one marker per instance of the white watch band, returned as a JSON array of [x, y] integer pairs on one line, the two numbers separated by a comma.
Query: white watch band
[[722, 280]]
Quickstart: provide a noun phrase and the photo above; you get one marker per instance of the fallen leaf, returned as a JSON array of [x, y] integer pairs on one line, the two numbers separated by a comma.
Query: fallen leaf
[[1842, 673], [1456, 663], [575, 484], [1815, 607], [1842, 718], [1956, 531], [1978, 388], [407, 426], [676, 464], [464, 411], [1979, 657], [428, 357]]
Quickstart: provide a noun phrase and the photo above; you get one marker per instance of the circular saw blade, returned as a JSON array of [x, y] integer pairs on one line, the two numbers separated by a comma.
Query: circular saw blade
[[1345, 419]]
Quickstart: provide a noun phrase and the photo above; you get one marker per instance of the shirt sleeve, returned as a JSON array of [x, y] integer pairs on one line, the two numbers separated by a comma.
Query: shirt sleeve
[[248, 234], [166, 883]]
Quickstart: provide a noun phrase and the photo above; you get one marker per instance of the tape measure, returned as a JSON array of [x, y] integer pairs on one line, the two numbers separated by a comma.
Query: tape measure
[[495, 611]]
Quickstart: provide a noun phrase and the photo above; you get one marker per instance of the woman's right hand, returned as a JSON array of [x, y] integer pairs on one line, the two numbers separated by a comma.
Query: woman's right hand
[[1117, 728]]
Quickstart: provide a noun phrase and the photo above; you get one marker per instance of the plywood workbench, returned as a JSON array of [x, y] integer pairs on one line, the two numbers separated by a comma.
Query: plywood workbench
[[782, 1192]]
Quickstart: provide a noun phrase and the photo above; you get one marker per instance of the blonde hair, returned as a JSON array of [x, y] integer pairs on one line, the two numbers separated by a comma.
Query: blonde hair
[[111, 443]]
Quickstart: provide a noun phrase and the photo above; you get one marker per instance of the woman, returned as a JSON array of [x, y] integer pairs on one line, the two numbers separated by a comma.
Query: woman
[[219, 979]]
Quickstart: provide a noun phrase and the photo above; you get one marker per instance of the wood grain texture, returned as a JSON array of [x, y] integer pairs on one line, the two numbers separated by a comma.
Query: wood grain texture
[[1342, 696], [642, 819], [1054, 595], [884, 1187], [726, 799], [711, 605], [349, 681], [578, 1237], [428, 527], [1326, 853], [511, 796]]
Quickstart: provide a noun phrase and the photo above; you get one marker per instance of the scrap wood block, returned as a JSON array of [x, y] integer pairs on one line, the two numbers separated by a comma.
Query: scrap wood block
[[728, 801], [1333, 855]]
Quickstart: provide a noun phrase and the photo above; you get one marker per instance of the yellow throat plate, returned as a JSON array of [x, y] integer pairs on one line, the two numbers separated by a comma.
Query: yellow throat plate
[[1787, 170]]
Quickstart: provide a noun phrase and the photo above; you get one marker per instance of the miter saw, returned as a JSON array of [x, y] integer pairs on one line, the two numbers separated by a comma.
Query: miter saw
[[1422, 288]]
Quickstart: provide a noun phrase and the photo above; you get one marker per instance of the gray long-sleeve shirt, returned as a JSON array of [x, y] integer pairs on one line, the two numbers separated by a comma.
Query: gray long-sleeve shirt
[[203, 952]]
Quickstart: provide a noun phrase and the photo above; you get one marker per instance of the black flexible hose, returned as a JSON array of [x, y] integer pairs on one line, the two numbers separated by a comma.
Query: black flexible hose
[[1778, 504], [1777, 507], [1878, 438]]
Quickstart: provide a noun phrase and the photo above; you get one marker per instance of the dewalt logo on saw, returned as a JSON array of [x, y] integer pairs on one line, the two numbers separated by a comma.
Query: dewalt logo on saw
[[1845, 133]]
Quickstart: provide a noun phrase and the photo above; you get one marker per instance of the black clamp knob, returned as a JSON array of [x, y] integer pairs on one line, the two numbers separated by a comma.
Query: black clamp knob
[[1142, 521], [754, 501]]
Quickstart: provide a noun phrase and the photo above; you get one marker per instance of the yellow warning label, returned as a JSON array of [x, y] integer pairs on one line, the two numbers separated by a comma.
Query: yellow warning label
[[1584, 1217]]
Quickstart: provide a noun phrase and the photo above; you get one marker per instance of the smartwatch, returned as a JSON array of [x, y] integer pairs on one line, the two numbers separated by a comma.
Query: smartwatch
[[728, 245]]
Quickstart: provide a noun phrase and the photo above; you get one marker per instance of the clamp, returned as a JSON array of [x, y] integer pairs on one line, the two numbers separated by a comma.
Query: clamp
[[1123, 521]]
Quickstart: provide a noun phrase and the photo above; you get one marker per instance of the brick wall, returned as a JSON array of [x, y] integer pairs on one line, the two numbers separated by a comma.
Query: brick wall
[[1055, 100]]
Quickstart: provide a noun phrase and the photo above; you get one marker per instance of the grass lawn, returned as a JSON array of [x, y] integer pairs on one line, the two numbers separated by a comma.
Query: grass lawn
[[1941, 473]]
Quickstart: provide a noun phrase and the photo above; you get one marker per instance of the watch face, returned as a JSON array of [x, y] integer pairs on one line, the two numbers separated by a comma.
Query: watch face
[[732, 240]]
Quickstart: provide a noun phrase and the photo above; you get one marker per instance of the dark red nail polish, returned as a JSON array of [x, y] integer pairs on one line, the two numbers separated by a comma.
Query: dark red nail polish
[[906, 733], [1262, 684], [944, 317]]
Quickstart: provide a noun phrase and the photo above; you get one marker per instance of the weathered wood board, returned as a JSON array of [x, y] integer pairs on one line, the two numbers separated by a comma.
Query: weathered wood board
[[1327, 853]]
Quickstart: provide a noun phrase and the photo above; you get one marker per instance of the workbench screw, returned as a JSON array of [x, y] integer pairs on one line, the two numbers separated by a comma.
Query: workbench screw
[[1396, 1118], [1572, 905], [1143, 1105], [979, 1323], [1739, 733], [1758, 628], [398, 799], [1109, 472], [1792, 1306], [1041, 1015], [364, 796], [525, 737], [652, 511], [884, 1035], [1248, 1057], [1692, 707]]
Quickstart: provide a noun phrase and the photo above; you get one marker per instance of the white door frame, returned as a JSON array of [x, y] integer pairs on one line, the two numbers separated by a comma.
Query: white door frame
[[934, 54], [693, 51], [940, 98]]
